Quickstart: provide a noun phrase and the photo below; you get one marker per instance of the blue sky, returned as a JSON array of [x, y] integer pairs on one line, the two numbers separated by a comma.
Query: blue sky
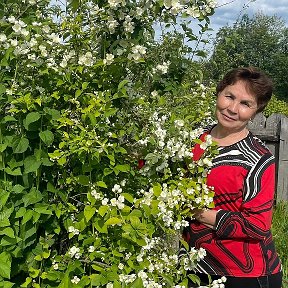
[[228, 10]]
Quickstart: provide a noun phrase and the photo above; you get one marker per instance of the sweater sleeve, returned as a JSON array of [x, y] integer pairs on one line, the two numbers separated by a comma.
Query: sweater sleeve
[[253, 221]]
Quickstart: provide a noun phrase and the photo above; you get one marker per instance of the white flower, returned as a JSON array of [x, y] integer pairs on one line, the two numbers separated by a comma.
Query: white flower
[[223, 279], [121, 198], [109, 59], [105, 201], [11, 19], [109, 285], [120, 205], [73, 230], [73, 250], [46, 29], [128, 24], [55, 38], [9, 91], [121, 266], [193, 12], [179, 123], [117, 188], [17, 27], [143, 275], [113, 201], [201, 254], [127, 256], [162, 68], [14, 42], [77, 255], [96, 194], [55, 266], [139, 11], [75, 280], [154, 93], [86, 59], [91, 249], [139, 258], [114, 3], [70, 229], [112, 24], [3, 37]]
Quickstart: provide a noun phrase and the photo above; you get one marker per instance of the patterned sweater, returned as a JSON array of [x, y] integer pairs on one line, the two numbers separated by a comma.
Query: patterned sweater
[[240, 245]]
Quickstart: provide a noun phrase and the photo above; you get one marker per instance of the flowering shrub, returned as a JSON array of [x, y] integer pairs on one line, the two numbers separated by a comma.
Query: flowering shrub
[[75, 211]]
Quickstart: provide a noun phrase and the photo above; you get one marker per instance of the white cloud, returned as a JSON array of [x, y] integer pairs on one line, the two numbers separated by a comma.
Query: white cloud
[[228, 11]]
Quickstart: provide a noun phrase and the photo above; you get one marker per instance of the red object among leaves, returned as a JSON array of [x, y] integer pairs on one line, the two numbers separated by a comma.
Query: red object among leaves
[[141, 163]]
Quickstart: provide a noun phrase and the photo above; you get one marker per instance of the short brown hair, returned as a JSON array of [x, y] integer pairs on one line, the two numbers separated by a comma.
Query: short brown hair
[[258, 83]]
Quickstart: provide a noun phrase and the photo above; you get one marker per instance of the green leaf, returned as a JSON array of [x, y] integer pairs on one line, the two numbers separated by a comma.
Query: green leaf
[[121, 150], [8, 231], [84, 85], [15, 172], [61, 161], [32, 197], [83, 180], [78, 93], [53, 113], [4, 195], [43, 209], [47, 162], [20, 145], [47, 137], [137, 283], [135, 221], [113, 221], [89, 211], [30, 118], [157, 190], [122, 84], [194, 278], [101, 184], [18, 188], [128, 197], [3, 146], [27, 216], [20, 212], [5, 214], [107, 171], [102, 210], [31, 164], [8, 119], [5, 265], [123, 168], [7, 284], [7, 241]]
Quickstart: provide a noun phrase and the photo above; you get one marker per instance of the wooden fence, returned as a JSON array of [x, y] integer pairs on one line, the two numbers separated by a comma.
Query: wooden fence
[[273, 131]]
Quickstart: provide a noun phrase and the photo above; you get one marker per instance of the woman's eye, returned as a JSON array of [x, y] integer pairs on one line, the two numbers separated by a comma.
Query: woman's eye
[[246, 104]]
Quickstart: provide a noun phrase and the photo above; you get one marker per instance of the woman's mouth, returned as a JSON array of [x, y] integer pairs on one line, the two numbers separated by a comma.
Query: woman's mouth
[[228, 117]]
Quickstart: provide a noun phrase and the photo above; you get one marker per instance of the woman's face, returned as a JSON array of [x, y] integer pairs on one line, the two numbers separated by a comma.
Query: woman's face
[[235, 106]]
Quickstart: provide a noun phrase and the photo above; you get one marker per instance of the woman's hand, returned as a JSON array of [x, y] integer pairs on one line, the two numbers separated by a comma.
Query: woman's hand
[[205, 216]]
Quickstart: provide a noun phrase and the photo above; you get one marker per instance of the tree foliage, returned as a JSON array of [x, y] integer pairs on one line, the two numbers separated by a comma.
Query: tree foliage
[[82, 100], [259, 41]]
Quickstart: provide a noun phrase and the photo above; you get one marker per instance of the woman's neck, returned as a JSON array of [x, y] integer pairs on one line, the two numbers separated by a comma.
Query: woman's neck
[[225, 137]]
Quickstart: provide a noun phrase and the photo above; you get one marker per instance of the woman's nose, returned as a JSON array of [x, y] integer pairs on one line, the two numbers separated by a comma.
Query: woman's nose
[[233, 107]]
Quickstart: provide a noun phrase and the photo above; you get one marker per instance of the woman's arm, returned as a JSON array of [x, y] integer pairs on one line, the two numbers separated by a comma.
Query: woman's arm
[[253, 220]]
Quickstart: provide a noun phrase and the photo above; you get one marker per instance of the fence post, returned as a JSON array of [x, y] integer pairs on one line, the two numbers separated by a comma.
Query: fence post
[[282, 183]]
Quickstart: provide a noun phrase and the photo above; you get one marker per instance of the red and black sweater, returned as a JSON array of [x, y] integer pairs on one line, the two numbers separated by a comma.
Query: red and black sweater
[[241, 245]]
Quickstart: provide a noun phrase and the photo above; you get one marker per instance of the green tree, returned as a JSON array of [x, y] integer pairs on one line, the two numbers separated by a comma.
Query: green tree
[[75, 209], [259, 41]]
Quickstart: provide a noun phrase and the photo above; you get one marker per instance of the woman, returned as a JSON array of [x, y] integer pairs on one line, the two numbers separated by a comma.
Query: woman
[[236, 233]]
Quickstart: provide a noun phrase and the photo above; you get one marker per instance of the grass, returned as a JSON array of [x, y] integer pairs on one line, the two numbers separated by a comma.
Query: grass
[[280, 235]]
